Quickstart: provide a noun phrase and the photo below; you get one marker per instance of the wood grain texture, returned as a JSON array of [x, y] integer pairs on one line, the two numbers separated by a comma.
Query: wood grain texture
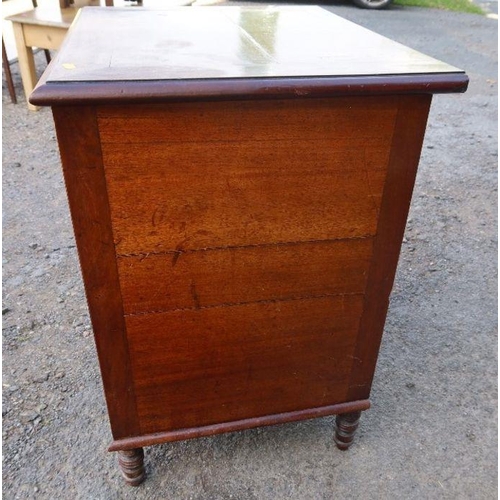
[[250, 186], [46, 37], [194, 280], [80, 149], [405, 155], [239, 425], [200, 367], [306, 120]]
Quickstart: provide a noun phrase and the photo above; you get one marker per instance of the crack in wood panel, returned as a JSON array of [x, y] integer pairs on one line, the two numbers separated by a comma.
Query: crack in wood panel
[[242, 275], [236, 304]]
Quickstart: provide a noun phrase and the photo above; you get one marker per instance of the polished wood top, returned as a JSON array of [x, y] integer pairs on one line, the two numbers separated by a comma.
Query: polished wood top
[[228, 48], [229, 42]]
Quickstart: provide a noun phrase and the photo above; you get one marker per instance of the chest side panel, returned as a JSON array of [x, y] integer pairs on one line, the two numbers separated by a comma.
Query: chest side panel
[[213, 175], [244, 235]]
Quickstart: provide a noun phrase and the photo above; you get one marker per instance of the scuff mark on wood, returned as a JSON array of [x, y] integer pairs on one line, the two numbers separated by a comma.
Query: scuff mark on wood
[[194, 294], [176, 256], [157, 217], [178, 252]]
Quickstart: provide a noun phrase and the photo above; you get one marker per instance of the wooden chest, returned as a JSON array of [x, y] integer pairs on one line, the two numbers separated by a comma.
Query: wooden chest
[[239, 181]]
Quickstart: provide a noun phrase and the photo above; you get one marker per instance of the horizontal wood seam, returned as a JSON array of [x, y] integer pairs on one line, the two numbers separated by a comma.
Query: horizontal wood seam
[[234, 304], [239, 425], [180, 251], [227, 141]]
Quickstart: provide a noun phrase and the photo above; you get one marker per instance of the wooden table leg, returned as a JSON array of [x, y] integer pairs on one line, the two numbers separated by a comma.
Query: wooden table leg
[[26, 63]]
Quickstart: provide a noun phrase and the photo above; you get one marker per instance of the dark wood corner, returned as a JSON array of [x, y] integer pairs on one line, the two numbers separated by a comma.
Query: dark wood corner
[[81, 156]]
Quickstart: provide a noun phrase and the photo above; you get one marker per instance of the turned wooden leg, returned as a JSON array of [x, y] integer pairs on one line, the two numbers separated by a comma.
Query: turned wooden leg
[[132, 465], [347, 424]]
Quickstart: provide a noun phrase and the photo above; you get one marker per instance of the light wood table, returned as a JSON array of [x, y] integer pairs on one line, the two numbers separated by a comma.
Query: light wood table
[[239, 181], [44, 28]]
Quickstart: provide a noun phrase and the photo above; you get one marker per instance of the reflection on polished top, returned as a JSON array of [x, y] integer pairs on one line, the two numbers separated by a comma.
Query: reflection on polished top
[[228, 42], [115, 55]]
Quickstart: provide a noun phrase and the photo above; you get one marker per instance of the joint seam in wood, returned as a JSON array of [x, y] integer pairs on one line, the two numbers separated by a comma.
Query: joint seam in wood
[[232, 304], [240, 247]]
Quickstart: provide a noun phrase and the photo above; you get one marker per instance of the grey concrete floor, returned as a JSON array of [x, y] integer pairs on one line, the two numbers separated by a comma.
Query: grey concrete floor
[[431, 432]]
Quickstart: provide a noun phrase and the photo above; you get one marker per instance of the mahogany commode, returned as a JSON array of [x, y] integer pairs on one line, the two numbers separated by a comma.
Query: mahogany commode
[[239, 181]]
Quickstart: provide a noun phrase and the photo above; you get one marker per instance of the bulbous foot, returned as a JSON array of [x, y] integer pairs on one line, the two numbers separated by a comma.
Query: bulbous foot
[[131, 464], [347, 424]]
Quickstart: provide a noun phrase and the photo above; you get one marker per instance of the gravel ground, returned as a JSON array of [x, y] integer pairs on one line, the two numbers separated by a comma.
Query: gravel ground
[[431, 432]]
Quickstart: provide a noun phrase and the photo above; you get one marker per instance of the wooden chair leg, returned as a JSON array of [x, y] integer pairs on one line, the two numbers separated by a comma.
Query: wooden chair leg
[[8, 74], [26, 63]]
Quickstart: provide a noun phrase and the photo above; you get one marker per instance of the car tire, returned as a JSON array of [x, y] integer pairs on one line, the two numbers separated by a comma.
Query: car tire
[[372, 4]]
